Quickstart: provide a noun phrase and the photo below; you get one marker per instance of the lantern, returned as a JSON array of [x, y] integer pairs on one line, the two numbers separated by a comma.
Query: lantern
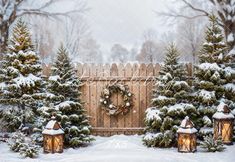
[[187, 138], [53, 137], [223, 124]]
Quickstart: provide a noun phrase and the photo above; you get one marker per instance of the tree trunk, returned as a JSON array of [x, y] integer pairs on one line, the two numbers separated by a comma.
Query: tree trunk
[[4, 31], [229, 31]]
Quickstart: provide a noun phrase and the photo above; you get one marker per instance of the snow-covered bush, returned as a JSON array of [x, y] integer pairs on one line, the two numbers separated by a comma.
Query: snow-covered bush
[[65, 85], [214, 77], [16, 142], [171, 98], [29, 150], [211, 145], [21, 84], [19, 142]]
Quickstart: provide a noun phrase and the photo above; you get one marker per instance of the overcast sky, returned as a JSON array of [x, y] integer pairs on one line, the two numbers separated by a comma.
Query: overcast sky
[[124, 21]]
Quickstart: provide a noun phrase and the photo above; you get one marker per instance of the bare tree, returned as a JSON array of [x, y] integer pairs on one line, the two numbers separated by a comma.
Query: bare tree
[[148, 51], [10, 10], [189, 34], [89, 52], [119, 53], [224, 9], [76, 29]]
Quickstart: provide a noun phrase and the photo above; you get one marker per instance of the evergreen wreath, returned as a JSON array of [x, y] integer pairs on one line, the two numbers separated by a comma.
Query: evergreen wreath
[[108, 105]]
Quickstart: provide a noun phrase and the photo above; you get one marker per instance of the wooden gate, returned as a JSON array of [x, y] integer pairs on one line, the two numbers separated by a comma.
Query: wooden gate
[[140, 79]]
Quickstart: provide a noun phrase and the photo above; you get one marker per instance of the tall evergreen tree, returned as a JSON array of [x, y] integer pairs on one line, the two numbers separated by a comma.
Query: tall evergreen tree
[[20, 79], [64, 84], [214, 78], [169, 101]]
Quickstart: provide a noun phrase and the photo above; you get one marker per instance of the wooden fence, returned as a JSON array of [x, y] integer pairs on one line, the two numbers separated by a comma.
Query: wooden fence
[[140, 79]]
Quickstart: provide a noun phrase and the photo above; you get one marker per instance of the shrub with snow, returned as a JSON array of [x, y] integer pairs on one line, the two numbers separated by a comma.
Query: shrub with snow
[[211, 145], [21, 83], [170, 101], [19, 142], [214, 77], [64, 85]]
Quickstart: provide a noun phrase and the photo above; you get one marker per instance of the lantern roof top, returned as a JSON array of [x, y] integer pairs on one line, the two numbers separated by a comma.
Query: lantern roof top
[[53, 128], [223, 112], [223, 108], [187, 126], [186, 123]]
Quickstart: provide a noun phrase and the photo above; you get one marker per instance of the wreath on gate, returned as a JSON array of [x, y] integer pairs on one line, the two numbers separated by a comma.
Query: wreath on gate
[[108, 105]]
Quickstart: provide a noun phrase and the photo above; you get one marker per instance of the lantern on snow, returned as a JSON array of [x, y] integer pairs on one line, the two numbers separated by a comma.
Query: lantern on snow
[[223, 124], [53, 137], [187, 138]]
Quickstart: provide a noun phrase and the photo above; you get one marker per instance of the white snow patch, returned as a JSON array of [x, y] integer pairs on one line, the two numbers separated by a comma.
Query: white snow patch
[[26, 80], [152, 114], [181, 106], [54, 78], [121, 148], [187, 131], [220, 115], [209, 66], [206, 130], [207, 95], [230, 37], [230, 86]]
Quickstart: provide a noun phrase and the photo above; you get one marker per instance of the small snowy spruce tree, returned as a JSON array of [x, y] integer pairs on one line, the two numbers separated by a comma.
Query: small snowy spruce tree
[[20, 79], [213, 77], [170, 103], [19, 142], [211, 145], [64, 84]]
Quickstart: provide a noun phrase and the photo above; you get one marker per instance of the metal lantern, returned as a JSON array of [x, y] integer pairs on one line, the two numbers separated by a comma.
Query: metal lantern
[[53, 137], [187, 138], [223, 124]]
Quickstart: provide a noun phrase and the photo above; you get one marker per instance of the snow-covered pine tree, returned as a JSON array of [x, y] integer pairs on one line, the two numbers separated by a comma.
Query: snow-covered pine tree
[[214, 78], [20, 79], [170, 103], [64, 84]]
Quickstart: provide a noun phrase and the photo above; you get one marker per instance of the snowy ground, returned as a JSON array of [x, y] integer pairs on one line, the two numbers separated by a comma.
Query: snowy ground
[[121, 149]]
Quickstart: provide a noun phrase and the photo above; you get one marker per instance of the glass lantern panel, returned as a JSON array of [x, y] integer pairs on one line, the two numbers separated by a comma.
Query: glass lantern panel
[[184, 142], [48, 143], [58, 143], [193, 142], [226, 131]]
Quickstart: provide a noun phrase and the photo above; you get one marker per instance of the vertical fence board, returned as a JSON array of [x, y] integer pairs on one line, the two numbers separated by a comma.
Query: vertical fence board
[[128, 73], [136, 95], [99, 84], [121, 118], [149, 84], [114, 73], [93, 95], [106, 118], [85, 88], [142, 95]]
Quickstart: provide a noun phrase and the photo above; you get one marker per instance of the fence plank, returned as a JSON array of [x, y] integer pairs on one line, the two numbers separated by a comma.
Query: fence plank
[[128, 73], [93, 96], [121, 118], [114, 119], [136, 95], [106, 118], [85, 88], [142, 95], [149, 85], [100, 73]]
